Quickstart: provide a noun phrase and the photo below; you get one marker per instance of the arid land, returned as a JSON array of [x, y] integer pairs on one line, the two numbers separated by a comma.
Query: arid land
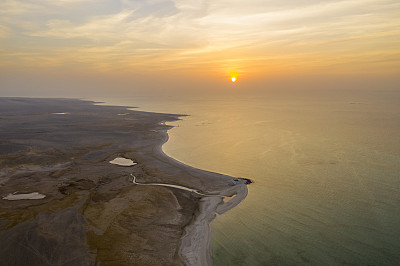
[[92, 212]]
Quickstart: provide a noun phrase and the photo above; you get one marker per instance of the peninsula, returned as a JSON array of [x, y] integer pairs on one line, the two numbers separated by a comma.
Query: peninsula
[[86, 184]]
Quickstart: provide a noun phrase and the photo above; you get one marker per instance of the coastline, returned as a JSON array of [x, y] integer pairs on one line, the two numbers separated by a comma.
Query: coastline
[[104, 203], [195, 245], [195, 248]]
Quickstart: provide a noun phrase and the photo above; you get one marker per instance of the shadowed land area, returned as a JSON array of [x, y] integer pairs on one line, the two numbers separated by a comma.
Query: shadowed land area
[[92, 212]]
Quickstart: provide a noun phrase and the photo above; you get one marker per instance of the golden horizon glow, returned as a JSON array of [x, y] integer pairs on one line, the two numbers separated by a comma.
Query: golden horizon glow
[[132, 42]]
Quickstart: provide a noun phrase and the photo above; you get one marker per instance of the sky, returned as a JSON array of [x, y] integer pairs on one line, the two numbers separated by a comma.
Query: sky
[[85, 47]]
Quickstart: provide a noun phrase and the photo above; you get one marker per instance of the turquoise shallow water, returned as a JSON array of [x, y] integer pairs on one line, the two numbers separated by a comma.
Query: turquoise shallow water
[[325, 166]]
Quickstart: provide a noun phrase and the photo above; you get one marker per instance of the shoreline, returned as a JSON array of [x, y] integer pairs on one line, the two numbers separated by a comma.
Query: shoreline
[[70, 165], [195, 248]]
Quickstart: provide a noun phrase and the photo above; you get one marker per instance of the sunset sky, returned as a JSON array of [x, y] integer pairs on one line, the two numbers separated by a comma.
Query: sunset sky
[[67, 47]]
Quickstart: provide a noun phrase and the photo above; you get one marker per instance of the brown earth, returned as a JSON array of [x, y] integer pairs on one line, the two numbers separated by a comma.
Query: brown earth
[[92, 213]]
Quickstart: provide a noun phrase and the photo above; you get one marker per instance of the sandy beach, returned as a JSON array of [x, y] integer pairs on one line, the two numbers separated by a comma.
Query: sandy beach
[[79, 158]]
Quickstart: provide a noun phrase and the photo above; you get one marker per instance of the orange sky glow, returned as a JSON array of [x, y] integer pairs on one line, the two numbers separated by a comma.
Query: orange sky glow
[[90, 46]]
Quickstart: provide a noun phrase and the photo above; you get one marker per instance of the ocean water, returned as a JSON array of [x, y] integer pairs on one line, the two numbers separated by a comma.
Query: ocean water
[[325, 166]]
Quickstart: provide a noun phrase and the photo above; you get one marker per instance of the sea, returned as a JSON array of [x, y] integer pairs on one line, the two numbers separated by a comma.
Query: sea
[[325, 166]]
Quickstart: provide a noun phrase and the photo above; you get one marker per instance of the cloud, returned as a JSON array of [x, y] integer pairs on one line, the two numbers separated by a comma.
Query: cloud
[[174, 34], [4, 31], [98, 28]]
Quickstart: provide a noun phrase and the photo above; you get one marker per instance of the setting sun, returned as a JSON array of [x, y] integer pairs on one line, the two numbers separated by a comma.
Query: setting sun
[[234, 74]]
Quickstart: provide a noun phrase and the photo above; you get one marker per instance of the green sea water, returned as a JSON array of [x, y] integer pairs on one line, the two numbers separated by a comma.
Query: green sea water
[[325, 166]]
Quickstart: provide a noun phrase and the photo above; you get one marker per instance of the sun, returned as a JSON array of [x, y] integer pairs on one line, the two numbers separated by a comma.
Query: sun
[[234, 74]]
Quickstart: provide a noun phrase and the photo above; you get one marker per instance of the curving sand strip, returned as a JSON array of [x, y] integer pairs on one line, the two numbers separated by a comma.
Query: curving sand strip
[[196, 243], [240, 191]]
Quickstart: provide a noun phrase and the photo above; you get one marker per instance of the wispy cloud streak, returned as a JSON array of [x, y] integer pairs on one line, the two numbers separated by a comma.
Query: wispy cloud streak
[[165, 34]]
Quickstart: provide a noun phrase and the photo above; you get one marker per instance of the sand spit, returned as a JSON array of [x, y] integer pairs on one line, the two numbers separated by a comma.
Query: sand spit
[[28, 196], [91, 202], [196, 243], [195, 247]]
